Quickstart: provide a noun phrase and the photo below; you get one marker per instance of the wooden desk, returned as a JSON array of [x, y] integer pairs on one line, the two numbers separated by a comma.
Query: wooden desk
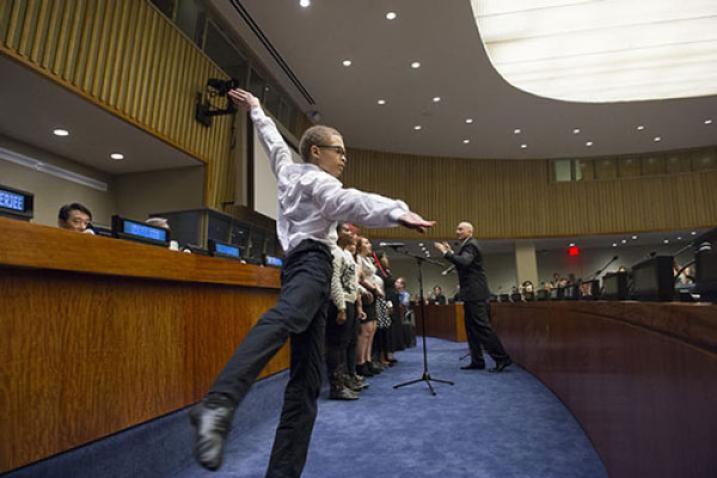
[[100, 334], [442, 321], [641, 378]]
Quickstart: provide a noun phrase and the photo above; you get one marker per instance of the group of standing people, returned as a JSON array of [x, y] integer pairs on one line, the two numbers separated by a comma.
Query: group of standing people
[[365, 324]]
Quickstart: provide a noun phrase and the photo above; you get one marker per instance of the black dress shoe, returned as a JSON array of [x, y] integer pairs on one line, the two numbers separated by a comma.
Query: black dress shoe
[[501, 365], [474, 366], [212, 420]]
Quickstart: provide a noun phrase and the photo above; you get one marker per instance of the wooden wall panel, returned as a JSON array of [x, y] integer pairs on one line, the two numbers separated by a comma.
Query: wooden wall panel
[[127, 58], [85, 356], [637, 376], [516, 198], [109, 333]]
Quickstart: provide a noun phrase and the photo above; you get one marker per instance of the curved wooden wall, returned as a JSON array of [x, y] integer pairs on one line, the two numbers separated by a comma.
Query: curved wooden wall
[[639, 377], [516, 198], [127, 58], [102, 334]]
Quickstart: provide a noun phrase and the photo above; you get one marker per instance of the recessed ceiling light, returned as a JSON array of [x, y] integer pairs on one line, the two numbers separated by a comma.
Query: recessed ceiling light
[[657, 139], [304, 3], [516, 131], [60, 132], [694, 233], [614, 244], [523, 146], [381, 102], [346, 62], [420, 244], [624, 241], [666, 241], [469, 120], [117, 156], [572, 244], [417, 127], [576, 131], [391, 16], [634, 237], [708, 121], [466, 141], [436, 99], [588, 143], [415, 65], [679, 238], [640, 127]]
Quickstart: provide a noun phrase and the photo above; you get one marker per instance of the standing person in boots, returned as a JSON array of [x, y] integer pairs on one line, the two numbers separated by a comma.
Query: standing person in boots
[[311, 201], [341, 322]]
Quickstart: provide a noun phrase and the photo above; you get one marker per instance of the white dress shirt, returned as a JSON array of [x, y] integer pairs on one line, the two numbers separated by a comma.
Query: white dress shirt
[[311, 201]]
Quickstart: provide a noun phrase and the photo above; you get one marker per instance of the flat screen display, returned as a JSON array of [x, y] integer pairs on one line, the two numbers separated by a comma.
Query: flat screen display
[[12, 201], [144, 231], [227, 250], [274, 261]]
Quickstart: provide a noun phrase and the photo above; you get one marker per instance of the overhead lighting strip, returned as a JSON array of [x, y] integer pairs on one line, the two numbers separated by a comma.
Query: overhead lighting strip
[[52, 170]]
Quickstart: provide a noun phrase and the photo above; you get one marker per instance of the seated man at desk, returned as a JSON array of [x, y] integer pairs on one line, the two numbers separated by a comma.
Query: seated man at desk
[[74, 217]]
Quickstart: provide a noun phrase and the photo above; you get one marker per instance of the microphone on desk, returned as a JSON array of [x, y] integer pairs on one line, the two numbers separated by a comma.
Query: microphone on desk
[[448, 270], [391, 244]]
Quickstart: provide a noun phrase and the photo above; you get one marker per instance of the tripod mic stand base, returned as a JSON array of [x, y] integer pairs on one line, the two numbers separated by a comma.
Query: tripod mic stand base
[[425, 378]]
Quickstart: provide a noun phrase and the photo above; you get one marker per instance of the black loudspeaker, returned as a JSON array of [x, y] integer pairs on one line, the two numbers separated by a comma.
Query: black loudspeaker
[[571, 292], [614, 286], [706, 275], [654, 279]]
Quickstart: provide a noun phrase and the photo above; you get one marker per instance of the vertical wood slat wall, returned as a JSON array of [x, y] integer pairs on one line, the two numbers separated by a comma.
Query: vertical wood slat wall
[[127, 58], [516, 199]]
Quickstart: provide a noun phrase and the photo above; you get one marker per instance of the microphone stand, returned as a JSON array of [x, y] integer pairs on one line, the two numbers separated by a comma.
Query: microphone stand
[[600, 271], [426, 376]]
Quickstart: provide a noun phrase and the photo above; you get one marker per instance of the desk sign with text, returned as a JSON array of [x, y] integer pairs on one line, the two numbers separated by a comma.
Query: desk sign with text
[[222, 249], [16, 203], [139, 231], [273, 261]]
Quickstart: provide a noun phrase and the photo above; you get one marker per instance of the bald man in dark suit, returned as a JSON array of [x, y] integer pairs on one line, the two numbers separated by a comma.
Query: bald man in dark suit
[[475, 293]]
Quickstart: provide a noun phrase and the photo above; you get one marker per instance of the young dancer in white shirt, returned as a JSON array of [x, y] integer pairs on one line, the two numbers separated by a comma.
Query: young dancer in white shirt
[[311, 201]]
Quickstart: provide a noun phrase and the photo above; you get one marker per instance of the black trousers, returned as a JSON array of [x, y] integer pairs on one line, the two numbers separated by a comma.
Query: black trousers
[[338, 340], [480, 333], [301, 315]]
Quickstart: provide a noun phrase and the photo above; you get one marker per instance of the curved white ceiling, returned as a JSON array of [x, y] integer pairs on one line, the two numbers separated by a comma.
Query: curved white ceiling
[[603, 50], [443, 36]]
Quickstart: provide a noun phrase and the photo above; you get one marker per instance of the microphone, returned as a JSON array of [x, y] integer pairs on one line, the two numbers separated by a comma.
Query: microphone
[[600, 271], [448, 270], [391, 244]]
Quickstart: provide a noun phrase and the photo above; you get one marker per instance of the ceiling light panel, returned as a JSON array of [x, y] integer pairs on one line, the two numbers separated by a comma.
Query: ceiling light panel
[[603, 50]]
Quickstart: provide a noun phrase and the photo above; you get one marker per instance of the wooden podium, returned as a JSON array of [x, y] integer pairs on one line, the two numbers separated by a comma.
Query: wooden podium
[[442, 321]]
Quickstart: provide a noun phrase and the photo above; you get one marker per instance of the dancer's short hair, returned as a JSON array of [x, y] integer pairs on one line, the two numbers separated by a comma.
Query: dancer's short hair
[[318, 135]]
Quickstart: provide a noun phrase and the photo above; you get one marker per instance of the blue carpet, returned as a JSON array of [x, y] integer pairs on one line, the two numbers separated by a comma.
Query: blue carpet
[[504, 425]]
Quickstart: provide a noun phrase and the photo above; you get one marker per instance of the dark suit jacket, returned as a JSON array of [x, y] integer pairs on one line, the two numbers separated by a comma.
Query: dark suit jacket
[[471, 276]]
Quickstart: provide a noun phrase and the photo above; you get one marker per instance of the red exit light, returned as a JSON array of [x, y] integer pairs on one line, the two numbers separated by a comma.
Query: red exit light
[[573, 251]]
